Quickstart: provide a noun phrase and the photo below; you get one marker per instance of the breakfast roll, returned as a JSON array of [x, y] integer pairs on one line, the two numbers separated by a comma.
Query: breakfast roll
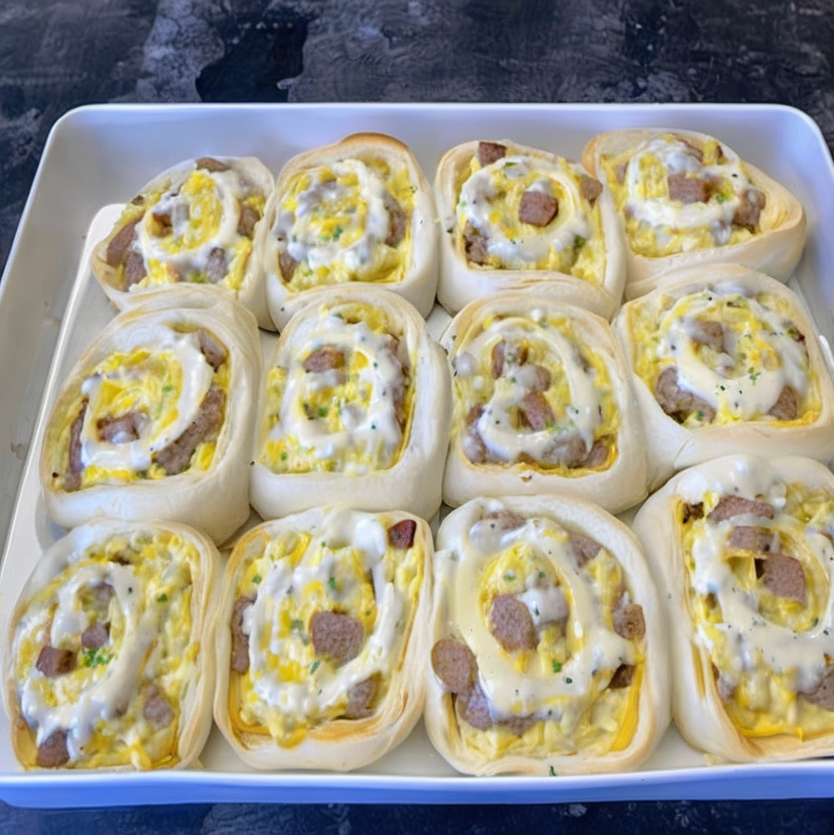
[[742, 548], [198, 222], [109, 661], [548, 651], [356, 409], [322, 638], [359, 210], [726, 360], [686, 199], [517, 217], [156, 418], [542, 403]]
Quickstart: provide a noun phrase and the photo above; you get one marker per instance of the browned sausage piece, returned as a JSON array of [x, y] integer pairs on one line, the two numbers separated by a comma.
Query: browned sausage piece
[[536, 411], [629, 621], [686, 189], [211, 164], [506, 520], [216, 266], [123, 429], [325, 358], [489, 152], [52, 752], [730, 506], [361, 698], [96, 635], [499, 352], [540, 377], [676, 401], [597, 454], [475, 244], [823, 694], [708, 332], [212, 350], [749, 209], [783, 575], [119, 245], [286, 265], [454, 664], [570, 452], [584, 548], [240, 640], [176, 457], [134, 269], [396, 220], [157, 708], [754, 539], [247, 219], [511, 623], [590, 188], [475, 708], [537, 208], [786, 406], [53, 662], [726, 688], [336, 635], [623, 676], [401, 534], [75, 466], [519, 724]]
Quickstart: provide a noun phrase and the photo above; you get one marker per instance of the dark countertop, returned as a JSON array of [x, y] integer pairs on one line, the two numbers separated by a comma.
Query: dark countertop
[[58, 55]]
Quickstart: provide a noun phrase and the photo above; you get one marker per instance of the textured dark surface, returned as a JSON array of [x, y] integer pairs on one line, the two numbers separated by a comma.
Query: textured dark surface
[[58, 55]]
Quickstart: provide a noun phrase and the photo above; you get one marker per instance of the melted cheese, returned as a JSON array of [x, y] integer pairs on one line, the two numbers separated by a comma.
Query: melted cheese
[[345, 565], [334, 222], [563, 681], [100, 702], [489, 199], [657, 225], [767, 648], [343, 419], [163, 379], [580, 392], [763, 351]]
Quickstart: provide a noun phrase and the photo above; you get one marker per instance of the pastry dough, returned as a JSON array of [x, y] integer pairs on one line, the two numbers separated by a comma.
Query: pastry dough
[[198, 222], [686, 199], [356, 409], [742, 551], [322, 638], [156, 419], [543, 403], [109, 661], [726, 360], [549, 651], [516, 217], [359, 210]]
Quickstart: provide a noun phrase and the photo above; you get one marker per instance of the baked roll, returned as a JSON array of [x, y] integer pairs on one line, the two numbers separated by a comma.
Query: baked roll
[[687, 199], [109, 661], [542, 403], [742, 549], [517, 217], [726, 360], [359, 210], [322, 638], [549, 652], [156, 419], [197, 222], [356, 409]]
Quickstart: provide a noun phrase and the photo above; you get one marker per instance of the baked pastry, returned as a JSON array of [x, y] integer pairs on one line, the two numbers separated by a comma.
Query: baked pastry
[[197, 222], [516, 217], [687, 199], [322, 638], [726, 360], [549, 651], [359, 210], [742, 548], [543, 403], [109, 661], [356, 409], [156, 419]]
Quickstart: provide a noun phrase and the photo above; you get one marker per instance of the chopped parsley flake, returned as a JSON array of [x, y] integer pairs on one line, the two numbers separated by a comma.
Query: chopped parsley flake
[[557, 666]]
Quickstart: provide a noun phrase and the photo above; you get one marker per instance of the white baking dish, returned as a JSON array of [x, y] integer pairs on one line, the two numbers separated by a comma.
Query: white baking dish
[[50, 308]]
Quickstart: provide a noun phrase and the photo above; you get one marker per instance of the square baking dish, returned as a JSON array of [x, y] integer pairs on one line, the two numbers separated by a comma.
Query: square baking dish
[[51, 307]]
